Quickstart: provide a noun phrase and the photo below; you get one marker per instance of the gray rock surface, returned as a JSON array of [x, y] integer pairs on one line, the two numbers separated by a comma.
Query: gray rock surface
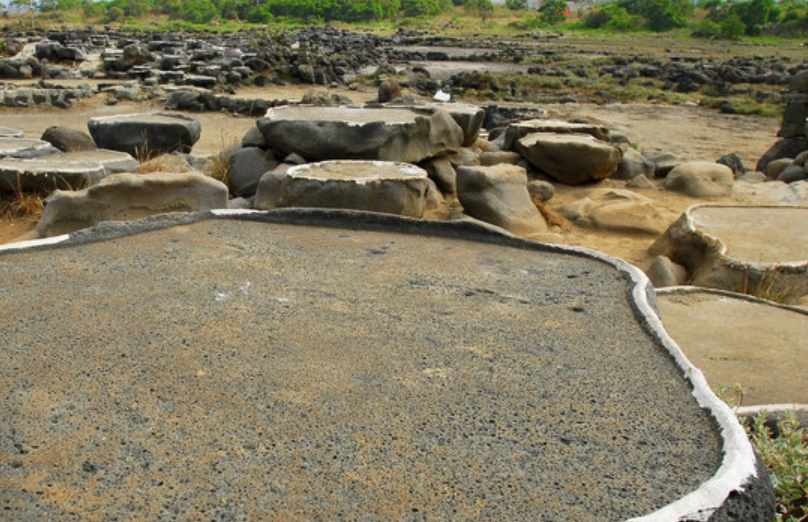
[[246, 166], [128, 197], [207, 373], [499, 195], [570, 158], [145, 135], [327, 133], [792, 173]]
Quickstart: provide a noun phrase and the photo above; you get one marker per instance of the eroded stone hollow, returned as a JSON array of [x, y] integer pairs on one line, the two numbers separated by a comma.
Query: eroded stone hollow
[[339, 366]]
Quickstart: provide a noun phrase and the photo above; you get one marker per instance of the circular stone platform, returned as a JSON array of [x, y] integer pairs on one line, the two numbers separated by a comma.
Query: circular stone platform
[[377, 186], [757, 234], [759, 250], [8, 132], [311, 365], [737, 339], [48, 173], [388, 134], [24, 148], [145, 134]]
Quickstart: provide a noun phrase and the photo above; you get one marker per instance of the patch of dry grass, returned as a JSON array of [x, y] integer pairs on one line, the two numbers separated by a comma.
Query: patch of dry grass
[[21, 205]]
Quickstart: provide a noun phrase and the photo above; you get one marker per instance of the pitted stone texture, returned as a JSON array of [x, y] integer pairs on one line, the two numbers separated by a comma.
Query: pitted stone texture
[[701, 179], [24, 148], [499, 195], [376, 186], [130, 196], [48, 173], [570, 158], [734, 338], [145, 135], [759, 250], [517, 131], [329, 133], [302, 371], [246, 166]]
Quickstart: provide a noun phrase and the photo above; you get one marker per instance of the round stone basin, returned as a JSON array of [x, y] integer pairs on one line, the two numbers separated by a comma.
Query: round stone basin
[[349, 115], [360, 172], [375, 186], [737, 339], [48, 173], [7, 132], [342, 366], [757, 234]]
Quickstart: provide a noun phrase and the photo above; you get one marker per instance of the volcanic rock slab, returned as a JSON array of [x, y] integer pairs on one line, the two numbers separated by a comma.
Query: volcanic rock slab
[[147, 134], [48, 173], [304, 364], [11, 147], [735, 338], [755, 249], [376, 186], [387, 134]]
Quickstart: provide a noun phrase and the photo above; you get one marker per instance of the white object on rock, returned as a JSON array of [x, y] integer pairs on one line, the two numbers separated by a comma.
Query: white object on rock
[[442, 96]]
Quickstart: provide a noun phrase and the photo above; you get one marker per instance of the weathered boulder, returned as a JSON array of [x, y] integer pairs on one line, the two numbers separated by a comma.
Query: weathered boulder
[[775, 167], [268, 194], [571, 158], [246, 166], [375, 186], [663, 272], [793, 173], [145, 135], [389, 90], [785, 148], [443, 173], [499, 195], [616, 210], [67, 139], [701, 179], [540, 190], [326, 133], [130, 196], [488, 159], [517, 131], [664, 162], [634, 164], [469, 117]]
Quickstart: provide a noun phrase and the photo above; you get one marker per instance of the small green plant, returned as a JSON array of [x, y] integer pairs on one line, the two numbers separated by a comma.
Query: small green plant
[[786, 457]]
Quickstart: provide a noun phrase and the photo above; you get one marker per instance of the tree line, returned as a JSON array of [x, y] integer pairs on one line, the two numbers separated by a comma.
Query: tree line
[[708, 18]]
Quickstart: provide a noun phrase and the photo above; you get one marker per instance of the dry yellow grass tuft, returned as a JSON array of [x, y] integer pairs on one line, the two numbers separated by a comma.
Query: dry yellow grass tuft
[[553, 218], [21, 205]]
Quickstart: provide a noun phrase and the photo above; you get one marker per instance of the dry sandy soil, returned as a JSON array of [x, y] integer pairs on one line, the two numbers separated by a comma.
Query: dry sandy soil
[[690, 133]]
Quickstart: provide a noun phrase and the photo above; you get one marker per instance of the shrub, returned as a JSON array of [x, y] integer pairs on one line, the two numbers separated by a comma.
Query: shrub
[[516, 5], [786, 457], [552, 12]]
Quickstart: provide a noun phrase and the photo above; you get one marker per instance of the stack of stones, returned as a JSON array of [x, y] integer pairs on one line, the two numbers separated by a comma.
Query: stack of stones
[[796, 112]]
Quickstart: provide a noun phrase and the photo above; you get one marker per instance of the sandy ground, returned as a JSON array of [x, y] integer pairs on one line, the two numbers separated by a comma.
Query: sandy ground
[[689, 133]]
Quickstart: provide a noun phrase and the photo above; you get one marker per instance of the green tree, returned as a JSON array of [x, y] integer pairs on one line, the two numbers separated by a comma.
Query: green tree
[[754, 14], [552, 11], [516, 5], [424, 7], [664, 15]]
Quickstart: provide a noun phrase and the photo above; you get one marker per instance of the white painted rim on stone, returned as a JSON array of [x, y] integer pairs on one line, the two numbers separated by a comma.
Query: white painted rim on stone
[[739, 463], [690, 224]]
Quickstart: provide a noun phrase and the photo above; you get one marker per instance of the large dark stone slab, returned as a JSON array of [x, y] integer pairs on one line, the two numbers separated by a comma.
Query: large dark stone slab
[[337, 365], [145, 135]]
